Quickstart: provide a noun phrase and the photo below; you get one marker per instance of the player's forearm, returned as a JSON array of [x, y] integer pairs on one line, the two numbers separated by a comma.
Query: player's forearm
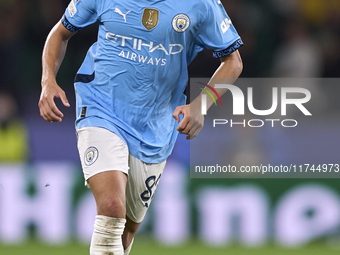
[[227, 73], [53, 54]]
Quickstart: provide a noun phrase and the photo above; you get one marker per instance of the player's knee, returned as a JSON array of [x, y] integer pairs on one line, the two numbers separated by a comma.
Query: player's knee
[[112, 207]]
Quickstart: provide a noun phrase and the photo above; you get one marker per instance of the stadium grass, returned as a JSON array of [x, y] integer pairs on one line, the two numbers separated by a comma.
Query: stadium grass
[[153, 248]]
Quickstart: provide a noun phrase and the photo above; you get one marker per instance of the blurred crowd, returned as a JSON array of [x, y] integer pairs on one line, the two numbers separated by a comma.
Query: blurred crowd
[[283, 38], [25, 26], [286, 38]]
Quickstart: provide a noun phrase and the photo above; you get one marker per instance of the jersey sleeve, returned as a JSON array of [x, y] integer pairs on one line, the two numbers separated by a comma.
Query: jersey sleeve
[[217, 31], [79, 14]]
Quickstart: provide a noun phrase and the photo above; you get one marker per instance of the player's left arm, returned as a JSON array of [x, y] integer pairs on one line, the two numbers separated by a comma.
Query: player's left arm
[[230, 69]]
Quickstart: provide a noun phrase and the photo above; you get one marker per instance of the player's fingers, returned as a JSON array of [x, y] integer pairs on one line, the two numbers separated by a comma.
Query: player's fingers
[[63, 98], [186, 130], [46, 117], [42, 111], [196, 127], [184, 123], [176, 114], [193, 133], [53, 110], [51, 115], [43, 114]]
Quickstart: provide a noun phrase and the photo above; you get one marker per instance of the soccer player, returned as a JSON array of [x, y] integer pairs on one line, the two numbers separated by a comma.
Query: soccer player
[[129, 93]]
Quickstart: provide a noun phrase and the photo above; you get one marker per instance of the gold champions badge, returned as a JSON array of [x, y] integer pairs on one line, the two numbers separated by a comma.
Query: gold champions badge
[[150, 18]]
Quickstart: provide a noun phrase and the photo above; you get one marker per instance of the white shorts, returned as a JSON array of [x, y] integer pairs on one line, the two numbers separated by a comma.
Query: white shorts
[[101, 150]]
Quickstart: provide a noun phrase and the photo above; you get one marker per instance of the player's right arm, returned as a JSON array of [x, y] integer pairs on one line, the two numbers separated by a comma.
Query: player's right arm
[[53, 55]]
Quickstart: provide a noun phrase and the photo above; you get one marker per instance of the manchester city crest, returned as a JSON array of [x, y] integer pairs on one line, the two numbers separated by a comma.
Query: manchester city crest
[[181, 22], [91, 155]]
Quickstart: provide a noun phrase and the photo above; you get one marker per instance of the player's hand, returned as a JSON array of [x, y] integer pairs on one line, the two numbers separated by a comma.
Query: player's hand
[[192, 121], [47, 106]]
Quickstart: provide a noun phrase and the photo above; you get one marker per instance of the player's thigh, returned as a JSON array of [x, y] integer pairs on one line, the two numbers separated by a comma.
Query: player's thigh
[[141, 187], [108, 189], [104, 158]]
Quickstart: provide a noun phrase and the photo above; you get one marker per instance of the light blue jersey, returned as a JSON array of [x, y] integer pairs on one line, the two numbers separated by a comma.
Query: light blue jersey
[[134, 76]]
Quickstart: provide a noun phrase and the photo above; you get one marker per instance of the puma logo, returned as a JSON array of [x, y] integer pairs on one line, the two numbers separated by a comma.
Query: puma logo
[[121, 13]]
